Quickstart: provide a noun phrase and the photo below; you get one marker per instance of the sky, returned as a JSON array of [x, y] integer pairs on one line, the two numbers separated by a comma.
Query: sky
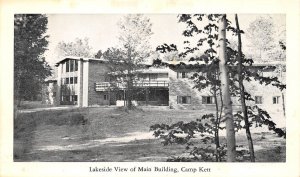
[[102, 29]]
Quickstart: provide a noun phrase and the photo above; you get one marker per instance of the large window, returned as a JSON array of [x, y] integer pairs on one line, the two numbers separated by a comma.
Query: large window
[[184, 99], [208, 100], [71, 65], [67, 80], [258, 99], [276, 100]]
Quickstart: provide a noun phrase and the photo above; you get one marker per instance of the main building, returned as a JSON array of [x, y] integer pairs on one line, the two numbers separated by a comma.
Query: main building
[[86, 82]]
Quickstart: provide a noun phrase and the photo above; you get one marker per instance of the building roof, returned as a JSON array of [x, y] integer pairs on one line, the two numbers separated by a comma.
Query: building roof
[[78, 58]]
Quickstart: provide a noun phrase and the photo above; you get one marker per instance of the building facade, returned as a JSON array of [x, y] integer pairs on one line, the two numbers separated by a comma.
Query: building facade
[[87, 82]]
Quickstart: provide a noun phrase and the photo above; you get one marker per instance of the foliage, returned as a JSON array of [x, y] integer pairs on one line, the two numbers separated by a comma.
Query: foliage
[[260, 33], [207, 72], [99, 54], [78, 48], [198, 138], [127, 59], [30, 67]]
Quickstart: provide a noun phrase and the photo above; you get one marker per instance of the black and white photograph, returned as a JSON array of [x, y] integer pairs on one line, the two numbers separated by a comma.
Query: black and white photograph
[[149, 87]]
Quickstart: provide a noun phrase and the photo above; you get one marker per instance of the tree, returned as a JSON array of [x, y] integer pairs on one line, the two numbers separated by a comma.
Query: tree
[[260, 33], [230, 132], [99, 54], [30, 67], [134, 49], [78, 48], [209, 35], [242, 90]]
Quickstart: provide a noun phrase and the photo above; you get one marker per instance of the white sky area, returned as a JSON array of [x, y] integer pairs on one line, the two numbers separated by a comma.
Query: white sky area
[[102, 29]]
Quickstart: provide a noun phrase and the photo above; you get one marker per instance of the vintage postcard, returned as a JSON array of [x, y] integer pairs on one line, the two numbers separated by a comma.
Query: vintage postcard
[[171, 89]]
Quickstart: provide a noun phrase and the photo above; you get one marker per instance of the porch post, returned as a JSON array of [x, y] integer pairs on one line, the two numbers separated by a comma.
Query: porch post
[[147, 95]]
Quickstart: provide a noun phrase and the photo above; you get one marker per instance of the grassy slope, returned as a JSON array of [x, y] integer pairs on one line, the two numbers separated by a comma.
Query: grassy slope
[[34, 131]]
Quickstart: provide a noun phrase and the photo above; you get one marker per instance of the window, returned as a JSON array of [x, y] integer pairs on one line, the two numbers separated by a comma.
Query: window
[[76, 65], [75, 80], [184, 99], [67, 66], [182, 75], [71, 65], [275, 99], [71, 80], [54, 94], [208, 100], [258, 99], [105, 97], [67, 80], [74, 97]]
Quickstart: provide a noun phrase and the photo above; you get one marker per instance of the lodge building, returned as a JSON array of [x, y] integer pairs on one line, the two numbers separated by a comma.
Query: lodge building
[[86, 82]]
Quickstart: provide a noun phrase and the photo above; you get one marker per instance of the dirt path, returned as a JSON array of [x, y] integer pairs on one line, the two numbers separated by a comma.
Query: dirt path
[[45, 109]]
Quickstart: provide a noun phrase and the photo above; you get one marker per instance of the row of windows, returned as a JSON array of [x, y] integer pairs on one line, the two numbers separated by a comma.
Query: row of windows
[[71, 65], [182, 75], [259, 99], [70, 80], [187, 100], [211, 100], [69, 98]]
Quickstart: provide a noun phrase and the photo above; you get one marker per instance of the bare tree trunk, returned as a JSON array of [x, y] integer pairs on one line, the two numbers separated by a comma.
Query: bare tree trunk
[[230, 133], [242, 92], [283, 103], [217, 139], [129, 93]]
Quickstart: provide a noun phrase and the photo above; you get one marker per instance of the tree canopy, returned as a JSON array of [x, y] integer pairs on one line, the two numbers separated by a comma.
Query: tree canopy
[[30, 43], [78, 48], [127, 58]]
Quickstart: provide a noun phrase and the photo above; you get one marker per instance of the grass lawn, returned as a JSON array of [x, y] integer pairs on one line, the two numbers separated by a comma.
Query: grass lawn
[[33, 104], [111, 134]]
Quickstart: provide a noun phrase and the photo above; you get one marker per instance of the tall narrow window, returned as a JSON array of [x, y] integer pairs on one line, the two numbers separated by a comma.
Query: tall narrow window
[[67, 66], [258, 99], [76, 65], [71, 65], [67, 80], [71, 80], [105, 97], [75, 80], [276, 100], [74, 97]]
